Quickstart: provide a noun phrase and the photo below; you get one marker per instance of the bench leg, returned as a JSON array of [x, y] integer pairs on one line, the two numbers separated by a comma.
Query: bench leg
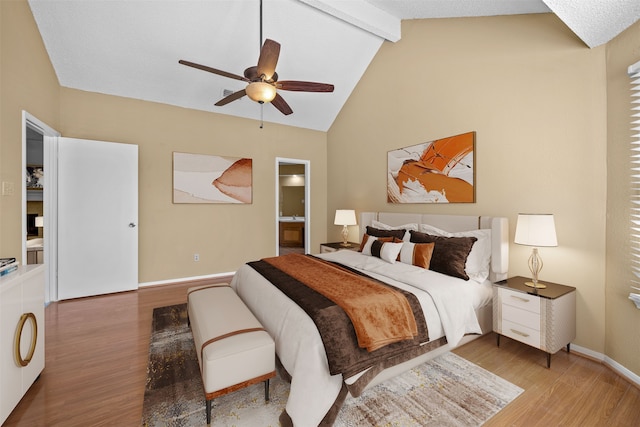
[[266, 390], [208, 411]]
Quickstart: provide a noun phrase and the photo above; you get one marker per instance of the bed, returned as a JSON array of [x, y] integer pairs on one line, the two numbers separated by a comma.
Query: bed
[[455, 310]]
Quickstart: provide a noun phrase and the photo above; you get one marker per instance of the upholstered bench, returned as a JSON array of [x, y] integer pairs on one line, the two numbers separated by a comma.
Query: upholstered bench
[[234, 350]]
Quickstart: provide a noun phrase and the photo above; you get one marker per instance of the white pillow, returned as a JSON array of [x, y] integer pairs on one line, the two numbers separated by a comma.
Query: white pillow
[[388, 251], [478, 262], [407, 227]]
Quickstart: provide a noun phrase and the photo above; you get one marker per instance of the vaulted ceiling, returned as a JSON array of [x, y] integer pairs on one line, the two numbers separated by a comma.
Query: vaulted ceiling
[[131, 48]]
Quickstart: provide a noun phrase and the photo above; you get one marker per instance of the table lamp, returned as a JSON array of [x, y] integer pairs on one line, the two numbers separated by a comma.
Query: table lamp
[[345, 217], [535, 230]]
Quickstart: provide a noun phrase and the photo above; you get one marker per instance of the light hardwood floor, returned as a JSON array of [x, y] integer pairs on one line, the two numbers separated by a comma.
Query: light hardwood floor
[[96, 358]]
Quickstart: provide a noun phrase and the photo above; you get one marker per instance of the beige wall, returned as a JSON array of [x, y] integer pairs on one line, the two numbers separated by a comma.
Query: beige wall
[[225, 236], [622, 332], [535, 95], [27, 82]]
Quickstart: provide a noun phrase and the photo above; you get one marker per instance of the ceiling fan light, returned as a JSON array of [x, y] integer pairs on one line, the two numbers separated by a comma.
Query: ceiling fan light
[[261, 92]]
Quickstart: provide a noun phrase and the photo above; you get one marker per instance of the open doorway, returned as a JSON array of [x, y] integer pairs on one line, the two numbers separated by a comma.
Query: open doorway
[[34, 184], [38, 205], [292, 206]]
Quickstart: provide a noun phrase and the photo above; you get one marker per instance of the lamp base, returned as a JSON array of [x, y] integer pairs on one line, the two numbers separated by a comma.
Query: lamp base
[[535, 285], [345, 244], [345, 236]]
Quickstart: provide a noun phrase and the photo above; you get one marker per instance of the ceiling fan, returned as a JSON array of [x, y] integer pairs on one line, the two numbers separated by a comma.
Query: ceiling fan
[[263, 81]]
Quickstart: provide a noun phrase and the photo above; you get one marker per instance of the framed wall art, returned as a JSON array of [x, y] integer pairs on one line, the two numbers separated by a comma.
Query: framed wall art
[[201, 178], [35, 177], [439, 171]]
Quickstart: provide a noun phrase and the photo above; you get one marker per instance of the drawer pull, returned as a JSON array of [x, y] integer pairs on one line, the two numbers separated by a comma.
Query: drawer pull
[[520, 298], [522, 334]]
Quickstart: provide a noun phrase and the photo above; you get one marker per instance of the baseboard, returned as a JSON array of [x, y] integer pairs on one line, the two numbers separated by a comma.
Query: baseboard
[[194, 279], [609, 362], [589, 354]]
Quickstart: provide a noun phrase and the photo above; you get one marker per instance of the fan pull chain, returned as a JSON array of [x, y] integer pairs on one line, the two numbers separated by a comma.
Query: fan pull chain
[[261, 115]]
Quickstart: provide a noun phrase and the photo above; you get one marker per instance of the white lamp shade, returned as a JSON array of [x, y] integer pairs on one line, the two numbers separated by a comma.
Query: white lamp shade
[[536, 230], [345, 217], [39, 221]]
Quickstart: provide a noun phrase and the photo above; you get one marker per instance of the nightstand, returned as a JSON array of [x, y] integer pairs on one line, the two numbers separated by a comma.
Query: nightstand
[[337, 246], [544, 318]]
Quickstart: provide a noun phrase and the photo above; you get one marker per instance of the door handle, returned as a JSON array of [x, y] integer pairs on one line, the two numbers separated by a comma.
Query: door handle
[[132, 225]]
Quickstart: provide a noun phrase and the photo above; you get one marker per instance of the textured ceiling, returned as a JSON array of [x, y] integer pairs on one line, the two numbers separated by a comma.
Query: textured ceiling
[[131, 48], [596, 21]]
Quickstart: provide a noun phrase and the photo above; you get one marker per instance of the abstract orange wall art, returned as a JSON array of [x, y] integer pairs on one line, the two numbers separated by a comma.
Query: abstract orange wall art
[[439, 171]]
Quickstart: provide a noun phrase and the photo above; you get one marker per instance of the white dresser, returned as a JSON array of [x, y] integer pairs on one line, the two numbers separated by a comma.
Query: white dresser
[[21, 334], [545, 319]]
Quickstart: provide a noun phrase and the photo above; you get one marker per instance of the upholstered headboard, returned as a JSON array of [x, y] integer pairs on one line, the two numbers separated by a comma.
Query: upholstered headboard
[[454, 223]]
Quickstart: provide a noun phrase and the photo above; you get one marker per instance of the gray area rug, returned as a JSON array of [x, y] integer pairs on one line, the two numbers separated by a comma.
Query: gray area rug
[[446, 391]]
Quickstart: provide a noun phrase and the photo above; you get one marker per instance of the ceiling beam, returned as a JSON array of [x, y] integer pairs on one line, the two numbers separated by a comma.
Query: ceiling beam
[[363, 15]]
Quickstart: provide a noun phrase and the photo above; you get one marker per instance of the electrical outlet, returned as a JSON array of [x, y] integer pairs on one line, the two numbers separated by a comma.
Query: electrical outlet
[[8, 189], [196, 257]]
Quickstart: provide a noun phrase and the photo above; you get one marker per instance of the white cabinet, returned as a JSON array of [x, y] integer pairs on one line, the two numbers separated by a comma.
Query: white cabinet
[[21, 334], [545, 319]]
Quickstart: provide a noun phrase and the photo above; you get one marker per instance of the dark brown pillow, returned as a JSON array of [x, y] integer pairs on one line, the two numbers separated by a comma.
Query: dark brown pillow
[[449, 253], [377, 232]]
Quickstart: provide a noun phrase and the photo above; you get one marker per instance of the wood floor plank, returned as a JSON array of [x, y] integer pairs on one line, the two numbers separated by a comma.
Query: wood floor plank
[[598, 402], [627, 413], [97, 352]]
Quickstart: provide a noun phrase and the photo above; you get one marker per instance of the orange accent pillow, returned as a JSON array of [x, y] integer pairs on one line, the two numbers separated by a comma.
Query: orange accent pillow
[[418, 254]]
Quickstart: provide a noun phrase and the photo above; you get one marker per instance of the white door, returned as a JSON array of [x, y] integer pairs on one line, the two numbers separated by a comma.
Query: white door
[[97, 217]]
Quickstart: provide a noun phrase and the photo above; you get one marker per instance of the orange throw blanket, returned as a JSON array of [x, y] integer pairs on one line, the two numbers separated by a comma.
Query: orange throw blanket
[[380, 314]]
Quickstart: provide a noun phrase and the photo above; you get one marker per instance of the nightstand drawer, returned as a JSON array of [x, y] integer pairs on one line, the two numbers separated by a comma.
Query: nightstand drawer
[[520, 300], [521, 333], [521, 317]]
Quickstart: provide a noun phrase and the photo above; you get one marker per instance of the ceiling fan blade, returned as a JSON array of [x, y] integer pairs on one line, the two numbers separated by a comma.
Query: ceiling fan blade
[[268, 58], [212, 70], [304, 86], [227, 99], [281, 105]]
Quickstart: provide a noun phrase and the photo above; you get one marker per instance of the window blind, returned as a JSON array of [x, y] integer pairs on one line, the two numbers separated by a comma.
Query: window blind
[[634, 203]]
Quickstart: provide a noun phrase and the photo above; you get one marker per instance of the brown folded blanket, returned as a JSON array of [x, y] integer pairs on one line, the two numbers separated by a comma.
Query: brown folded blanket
[[335, 328], [380, 315]]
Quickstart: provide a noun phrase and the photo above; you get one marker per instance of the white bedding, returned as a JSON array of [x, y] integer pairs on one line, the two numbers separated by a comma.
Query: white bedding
[[448, 303], [455, 300]]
